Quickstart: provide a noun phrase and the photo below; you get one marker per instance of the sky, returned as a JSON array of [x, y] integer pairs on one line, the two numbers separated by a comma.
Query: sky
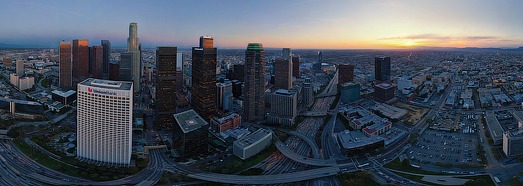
[[299, 24]]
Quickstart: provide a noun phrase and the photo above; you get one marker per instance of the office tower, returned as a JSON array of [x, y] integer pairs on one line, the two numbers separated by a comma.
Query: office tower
[[382, 69], [133, 46], [284, 107], [296, 66], [80, 60], [286, 53], [96, 59], [238, 72], [65, 69], [179, 71], [104, 121], [236, 88], [254, 94], [308, 93], [106, 56], [204, 78], [190, 133], [126, 60], [384, 92], [283, 74], [20, 68], [165, 86], [349, 92], [345, 73], [114, 71], [222, 89], [8, 62]]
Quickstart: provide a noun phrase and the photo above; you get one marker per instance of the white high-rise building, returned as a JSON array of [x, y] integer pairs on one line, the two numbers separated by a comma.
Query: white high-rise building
[[104, 121]]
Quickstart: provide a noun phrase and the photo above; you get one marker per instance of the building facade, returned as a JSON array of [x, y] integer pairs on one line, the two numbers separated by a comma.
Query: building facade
[[382, 69], [133, 47], [106, 44], [252, 144], [384, 92], [80, 60], [283, 74], [165, 86], [228, 122], [20, 68], [346, 73], [284, 107], [104, 121], [125, 70], [349, 92], [296, 66], [190, 134], [204, 78], [96, 59], [254, 85], [222, 89], [65, 65]]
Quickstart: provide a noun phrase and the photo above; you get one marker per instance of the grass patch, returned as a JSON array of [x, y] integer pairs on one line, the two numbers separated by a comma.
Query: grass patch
[[414, 178], [396, 164], [240, 165], [483, 180], [359, 178], [82, 169]]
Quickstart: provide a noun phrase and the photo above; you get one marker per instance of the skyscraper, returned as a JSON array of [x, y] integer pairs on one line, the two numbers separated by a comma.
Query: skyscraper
[[96, 61], [133, 46], [126, 60], [382, 68], [254, 93], [165, 86], [65, 70], [179, 71], [104, 121], [283, 74], [106, 56], [345, 73], [204, 78], [80, 60], [296, 66], [8, 62], [20, 68]]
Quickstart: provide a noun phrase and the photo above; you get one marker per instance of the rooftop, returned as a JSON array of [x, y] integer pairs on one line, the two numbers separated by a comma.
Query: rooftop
[[252, 138], [284, 92], [384, 85], [255, 46], [64, 94], [117, 85], [355, 139], [189, 121]]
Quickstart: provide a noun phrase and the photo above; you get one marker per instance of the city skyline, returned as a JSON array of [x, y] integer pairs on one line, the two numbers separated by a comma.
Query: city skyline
[[295, 24]]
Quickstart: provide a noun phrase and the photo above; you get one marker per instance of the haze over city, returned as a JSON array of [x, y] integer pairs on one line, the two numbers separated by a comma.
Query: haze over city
[[294, 23]]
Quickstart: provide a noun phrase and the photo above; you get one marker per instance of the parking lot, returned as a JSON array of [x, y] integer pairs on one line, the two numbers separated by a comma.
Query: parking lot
[[441, 147]]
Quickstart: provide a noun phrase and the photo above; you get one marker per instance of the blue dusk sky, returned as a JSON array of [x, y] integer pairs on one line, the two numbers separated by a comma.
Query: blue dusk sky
[[333, 24]]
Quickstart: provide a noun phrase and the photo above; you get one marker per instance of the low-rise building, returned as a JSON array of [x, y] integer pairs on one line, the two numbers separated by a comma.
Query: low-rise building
[[65, 98], [252, 144], [231, 121]]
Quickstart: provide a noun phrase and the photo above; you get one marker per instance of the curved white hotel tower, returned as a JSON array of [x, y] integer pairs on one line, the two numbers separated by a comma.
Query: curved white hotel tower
[[104, 121]]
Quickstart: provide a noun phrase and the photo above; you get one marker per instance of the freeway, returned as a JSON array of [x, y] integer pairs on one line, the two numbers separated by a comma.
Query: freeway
[[298, 158], [312, 144]]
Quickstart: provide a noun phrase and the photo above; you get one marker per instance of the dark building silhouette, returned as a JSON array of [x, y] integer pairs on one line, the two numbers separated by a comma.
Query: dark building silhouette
[[66, 70], [165, 86], [96, 61], [384, 92], [382, 69], [254, 85], [80, 60], [126, 60], [283, 74], [106, 56], [114, 71], [204, 78], [236, 88], [296, 66], [346, 73]]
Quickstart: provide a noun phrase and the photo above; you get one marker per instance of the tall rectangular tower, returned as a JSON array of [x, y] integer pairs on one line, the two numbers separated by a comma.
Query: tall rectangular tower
[[254, 84], [65, 63], [204, 78], [382, 68], [133, 46], [96, 61], [165, 86], [80, 60], [106, 56]]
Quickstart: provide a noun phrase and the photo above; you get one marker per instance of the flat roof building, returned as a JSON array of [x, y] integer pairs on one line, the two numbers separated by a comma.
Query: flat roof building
[[252, 144], [104, 121], [190, 133]]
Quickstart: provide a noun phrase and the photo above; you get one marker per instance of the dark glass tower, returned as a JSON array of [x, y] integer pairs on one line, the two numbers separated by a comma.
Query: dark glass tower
[[80, 60], [204, 78], [165, 86], [382, 68], [346, 73], [106, 56], [66, 70], [254, 85]]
